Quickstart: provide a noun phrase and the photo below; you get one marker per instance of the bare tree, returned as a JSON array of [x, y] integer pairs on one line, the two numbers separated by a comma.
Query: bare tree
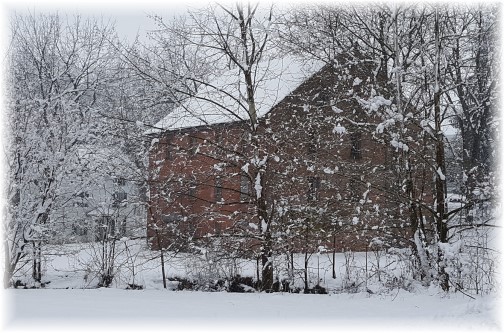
[[427, 57], [56, 70], [227, 38]]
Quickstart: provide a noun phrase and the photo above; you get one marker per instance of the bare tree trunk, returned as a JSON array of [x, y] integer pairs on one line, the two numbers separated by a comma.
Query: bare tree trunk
[[306, 286], [36, 265], [334, 258], [267, 265], [161, 257], [7, 268], [441, 226], [258, 273]]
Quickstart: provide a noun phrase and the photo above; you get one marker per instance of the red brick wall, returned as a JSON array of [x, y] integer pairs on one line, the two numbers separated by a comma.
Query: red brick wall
[[184, 182]]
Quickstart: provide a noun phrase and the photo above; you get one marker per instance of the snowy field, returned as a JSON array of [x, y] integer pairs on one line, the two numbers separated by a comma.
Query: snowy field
[[76, 266], [126, 310], [85, 308]]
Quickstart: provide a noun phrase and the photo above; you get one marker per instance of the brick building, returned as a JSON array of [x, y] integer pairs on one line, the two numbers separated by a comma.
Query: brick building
[[328, 177]]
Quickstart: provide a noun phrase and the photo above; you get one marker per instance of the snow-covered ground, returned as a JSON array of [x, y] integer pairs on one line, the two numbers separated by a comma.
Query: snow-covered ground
[[77, 266], [389, 307], [127, 310]]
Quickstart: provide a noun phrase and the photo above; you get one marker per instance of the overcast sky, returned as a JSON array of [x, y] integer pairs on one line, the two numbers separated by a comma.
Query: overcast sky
[[130, 16]]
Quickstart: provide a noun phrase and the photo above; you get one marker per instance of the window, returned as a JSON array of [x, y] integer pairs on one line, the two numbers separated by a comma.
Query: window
[[169, 152], [122, 227], [323, 98], [105, 227], [82, 200], [193, 190], [218, 189], [218, 138], [245, 143], [355, 189], [119, 199], [217, 227], [387, 163], [355, 149], [120, 181], [193, 145], [171, 218], [17, 197], [80, 230], [244, 188], [83, 195], [390, 157], [314, 189], [312, 145]]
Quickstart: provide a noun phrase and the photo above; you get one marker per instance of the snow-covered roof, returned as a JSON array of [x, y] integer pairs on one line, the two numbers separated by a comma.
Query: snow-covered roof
[[108, 160], [224, 99]]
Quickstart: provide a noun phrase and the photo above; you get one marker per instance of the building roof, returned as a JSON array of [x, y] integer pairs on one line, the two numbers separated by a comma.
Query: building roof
[[105, 161], [223, 100]]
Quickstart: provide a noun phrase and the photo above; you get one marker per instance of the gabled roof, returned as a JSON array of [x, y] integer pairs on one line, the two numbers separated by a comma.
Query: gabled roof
[[102, 161], [224, 99]]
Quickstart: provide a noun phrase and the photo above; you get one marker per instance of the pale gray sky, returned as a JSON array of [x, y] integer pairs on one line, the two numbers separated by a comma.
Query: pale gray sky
[[130, 16]]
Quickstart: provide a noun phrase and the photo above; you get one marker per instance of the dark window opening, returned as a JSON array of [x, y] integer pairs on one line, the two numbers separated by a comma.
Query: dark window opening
[[83, 201], [105, 228], [193, 145], [193, 190], [16, 198], [312, 145], [355, 142], [122, 227], [171, 218], [217, 227], [314, 188], [80, 230], [218, 138], [356, 189], [120, 181], [244, 188], [218, 189], [387, 158], [323, 98], [245, 143], [169, 150], [83, 195], [119, 199]]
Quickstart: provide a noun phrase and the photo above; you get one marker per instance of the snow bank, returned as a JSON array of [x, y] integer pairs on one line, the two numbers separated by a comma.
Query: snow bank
[[141, 310], [384, 310]]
